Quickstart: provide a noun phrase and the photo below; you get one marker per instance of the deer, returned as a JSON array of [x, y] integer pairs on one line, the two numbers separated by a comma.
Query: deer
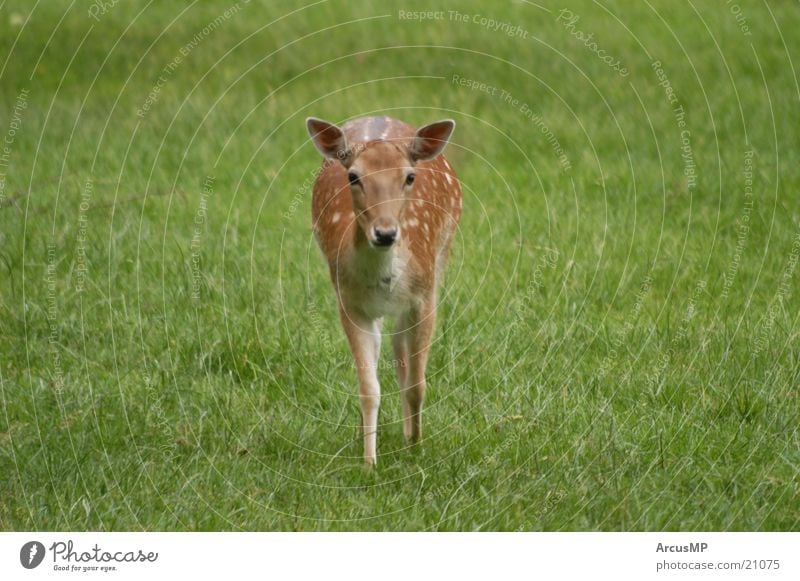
[[385, 208]]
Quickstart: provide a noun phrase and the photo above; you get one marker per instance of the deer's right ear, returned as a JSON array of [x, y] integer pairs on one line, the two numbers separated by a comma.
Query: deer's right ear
[[329, 140], [431, 139]]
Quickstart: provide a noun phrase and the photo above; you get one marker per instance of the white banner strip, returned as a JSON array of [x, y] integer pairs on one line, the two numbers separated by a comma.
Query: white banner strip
[[400, 556]]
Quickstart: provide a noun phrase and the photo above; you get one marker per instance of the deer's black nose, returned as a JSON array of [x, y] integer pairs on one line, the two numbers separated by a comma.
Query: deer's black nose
[[385, 236]]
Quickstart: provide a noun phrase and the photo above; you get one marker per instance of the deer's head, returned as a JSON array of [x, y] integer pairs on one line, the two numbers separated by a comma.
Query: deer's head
[[381, 173]]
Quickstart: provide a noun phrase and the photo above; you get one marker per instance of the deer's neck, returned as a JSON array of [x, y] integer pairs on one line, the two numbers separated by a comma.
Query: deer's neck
[[374, 268], [373, 265]]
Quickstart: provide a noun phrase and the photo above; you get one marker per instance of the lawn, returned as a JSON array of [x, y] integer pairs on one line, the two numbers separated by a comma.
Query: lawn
[[618, 345]]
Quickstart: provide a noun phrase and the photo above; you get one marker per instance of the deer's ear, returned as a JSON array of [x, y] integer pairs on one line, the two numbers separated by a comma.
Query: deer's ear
[[431, 139], [328, 139]]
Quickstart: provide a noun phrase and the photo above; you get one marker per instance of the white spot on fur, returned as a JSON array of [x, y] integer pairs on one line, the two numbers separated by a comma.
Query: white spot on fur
[[449, 179], [335, 217], [412, 223]]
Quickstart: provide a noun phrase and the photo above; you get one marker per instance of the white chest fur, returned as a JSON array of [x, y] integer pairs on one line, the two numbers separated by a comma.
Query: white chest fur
[[379, 282]]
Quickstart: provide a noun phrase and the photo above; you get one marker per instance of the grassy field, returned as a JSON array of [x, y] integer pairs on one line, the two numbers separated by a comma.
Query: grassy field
[[618, 341]]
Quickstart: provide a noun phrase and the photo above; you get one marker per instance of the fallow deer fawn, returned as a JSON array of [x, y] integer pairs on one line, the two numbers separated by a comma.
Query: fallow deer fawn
[[385, 209]]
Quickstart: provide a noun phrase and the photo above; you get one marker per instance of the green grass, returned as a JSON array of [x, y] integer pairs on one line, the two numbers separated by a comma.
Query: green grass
[[615, 351]]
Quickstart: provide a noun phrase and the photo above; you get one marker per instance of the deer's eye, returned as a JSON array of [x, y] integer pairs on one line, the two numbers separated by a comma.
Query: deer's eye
[[353, 179], [410, 179]]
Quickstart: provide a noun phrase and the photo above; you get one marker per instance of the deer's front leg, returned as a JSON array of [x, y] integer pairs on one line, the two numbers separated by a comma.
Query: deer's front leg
[[400, 341], [364, 337], [419, 324]]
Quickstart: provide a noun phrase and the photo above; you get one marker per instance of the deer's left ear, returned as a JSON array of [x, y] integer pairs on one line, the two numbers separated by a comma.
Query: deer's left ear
[[431, 139], [329, 140]]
